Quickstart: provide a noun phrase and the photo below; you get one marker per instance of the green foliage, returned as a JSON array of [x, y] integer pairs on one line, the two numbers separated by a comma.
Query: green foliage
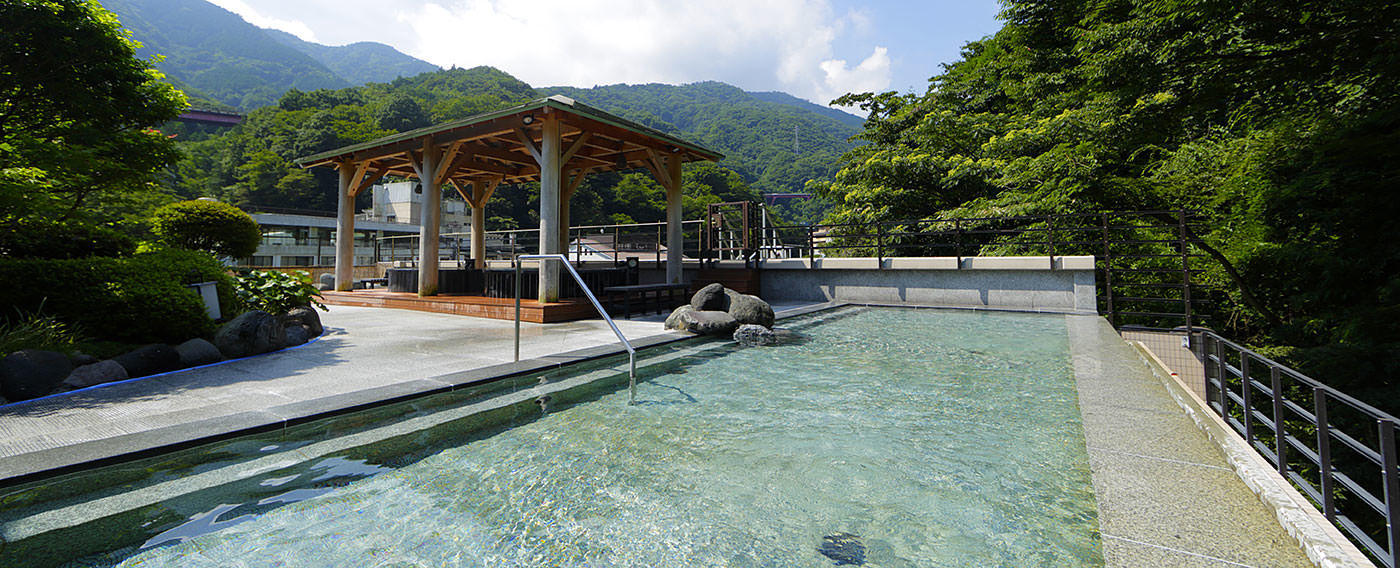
[[218, 54], [37, 237], [210, 226], [76, 106], [1277, 120], [139, 299], [276, 292], [776, 143], [34, 330]]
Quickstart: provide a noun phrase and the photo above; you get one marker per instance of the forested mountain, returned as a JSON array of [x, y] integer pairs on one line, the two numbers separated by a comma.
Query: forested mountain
[[252, 164], [213, 53], [360, 62], [776, 142], [1280, 122]]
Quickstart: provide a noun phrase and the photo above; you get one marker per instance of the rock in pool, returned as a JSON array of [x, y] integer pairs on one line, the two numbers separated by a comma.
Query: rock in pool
[[844, 548]]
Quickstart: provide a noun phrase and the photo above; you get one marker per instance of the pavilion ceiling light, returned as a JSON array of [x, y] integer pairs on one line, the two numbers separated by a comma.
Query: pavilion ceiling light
[[527, 119]]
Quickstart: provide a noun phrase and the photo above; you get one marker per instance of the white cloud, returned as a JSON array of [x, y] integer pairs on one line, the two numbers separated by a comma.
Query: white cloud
[[769, 45], [871, 75], [253, 16]]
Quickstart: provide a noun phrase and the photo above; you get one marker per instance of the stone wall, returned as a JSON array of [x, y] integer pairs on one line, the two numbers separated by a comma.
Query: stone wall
[[1028, 283]]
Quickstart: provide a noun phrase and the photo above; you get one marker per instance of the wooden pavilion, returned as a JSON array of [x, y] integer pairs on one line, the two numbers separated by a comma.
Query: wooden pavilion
[[555, 141]]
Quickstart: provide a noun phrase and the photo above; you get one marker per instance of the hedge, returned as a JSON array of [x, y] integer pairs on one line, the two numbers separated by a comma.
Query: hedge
[[139, 299], [34, 237]]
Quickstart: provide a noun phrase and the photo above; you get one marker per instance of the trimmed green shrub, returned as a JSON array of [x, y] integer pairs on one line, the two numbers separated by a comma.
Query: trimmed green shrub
[[276, 292], [139, 299], [36, 237], [210, 226]]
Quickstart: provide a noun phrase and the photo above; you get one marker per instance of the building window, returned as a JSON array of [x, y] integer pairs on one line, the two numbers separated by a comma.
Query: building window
[[261, 261]]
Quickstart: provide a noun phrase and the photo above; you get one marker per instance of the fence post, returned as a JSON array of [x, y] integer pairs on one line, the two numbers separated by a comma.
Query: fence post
[[811, 246], [1223, 375], [1050, 224], [1108, 274], [879, 244], [1392, 489], [958, 233], [1245, 387], [1280, 433], [1185, 268], [1324, 452]]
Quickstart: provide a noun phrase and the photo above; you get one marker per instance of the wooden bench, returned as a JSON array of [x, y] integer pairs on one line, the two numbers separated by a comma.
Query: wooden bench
[[643, 292]]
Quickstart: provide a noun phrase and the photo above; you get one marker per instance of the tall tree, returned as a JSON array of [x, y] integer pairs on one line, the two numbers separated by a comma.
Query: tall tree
[[1277, 120], [76, 107]]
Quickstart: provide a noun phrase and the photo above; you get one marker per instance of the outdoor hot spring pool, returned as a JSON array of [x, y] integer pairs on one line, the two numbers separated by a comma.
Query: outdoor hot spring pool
[[888, 437]]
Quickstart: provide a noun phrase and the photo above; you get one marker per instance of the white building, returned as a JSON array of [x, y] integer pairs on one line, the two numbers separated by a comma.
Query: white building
[[296, 239]]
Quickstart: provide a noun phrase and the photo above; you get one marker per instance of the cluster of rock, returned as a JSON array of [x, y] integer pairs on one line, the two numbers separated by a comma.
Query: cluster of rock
[[716, 310], [32, 373]]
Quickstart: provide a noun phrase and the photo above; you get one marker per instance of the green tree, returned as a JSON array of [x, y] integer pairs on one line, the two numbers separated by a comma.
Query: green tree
[[206, 225], [77, 106], [1276, 119]]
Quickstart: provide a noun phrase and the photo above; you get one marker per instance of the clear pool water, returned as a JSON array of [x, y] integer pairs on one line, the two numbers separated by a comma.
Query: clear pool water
[[938, 438]]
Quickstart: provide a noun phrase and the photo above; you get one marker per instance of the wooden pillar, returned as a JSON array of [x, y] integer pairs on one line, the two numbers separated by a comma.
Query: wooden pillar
[[429, 222], [479, 235], [551, 178], [345, 229], [675, 242]]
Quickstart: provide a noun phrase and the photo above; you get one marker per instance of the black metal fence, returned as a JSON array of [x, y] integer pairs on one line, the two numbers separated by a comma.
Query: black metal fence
[[1337, 450]]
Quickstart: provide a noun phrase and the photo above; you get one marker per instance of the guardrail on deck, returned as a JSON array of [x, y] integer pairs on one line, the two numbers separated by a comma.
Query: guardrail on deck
[[1316, 437]]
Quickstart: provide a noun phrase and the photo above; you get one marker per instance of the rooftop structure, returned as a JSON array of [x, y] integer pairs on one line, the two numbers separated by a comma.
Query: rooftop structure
[[555, 141]]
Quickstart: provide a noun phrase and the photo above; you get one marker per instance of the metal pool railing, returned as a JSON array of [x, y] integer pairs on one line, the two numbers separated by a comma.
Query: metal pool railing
[[631, 353], [1337, 450]]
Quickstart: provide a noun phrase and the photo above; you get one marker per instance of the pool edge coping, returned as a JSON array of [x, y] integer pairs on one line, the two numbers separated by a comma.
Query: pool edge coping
[[1323, 543], [92, 454]]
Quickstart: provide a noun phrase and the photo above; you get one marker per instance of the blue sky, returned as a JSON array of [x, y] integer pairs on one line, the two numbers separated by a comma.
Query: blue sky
[[813, 49]]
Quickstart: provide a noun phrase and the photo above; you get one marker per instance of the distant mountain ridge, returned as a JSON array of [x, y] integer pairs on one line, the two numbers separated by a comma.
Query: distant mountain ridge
[[213, 53], [360, 62], [774, 140]]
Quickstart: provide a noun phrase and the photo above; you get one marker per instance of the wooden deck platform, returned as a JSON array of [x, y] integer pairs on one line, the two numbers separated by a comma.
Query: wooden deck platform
[[478, 306]]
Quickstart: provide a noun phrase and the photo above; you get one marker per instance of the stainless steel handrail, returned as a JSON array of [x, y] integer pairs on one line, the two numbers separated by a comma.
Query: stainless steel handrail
[[631, 353]]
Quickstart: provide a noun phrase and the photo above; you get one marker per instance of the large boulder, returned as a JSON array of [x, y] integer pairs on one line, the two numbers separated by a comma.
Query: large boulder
[[710, 298], [326, 279], [32, 373], [748, 309], [196, 352], [704, 322], [250, 333], [96, 374], [149, 360], [294, 335], [306, 317]]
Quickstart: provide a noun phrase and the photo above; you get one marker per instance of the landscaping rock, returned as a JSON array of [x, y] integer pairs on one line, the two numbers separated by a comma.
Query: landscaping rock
[[751, 335], [196, 352], [307, 317], [327, 280], [844, 548], [78, 359], [149, 360], [704, 322], [712, 297], [747, 309], [250, 333], [96, 374], [324, 287], [32, 373], [294, 335]]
